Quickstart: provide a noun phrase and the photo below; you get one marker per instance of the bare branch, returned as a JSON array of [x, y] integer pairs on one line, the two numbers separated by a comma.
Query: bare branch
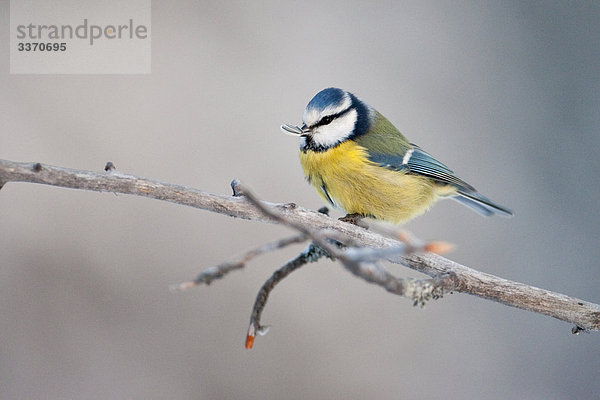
[[219, 271], [584, 315], [360, 261], [310, 254]]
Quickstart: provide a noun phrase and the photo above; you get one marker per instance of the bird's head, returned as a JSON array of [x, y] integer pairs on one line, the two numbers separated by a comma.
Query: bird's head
[[330, 118]]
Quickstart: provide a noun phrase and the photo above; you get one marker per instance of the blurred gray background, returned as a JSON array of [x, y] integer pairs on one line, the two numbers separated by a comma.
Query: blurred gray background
[[506, 93]]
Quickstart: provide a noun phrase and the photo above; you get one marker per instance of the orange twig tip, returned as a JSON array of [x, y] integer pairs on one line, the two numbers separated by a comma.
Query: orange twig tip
[[250, 336], [249, 341], [439, 247]]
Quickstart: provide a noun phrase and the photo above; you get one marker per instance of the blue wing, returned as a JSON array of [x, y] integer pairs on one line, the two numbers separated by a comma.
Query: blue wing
[[417, 161]]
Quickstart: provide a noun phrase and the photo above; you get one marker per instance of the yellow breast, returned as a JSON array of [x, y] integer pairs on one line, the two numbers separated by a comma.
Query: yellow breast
[[346, 176]]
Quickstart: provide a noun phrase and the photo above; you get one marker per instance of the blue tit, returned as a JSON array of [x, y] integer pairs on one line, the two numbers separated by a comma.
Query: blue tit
[[359, 162]]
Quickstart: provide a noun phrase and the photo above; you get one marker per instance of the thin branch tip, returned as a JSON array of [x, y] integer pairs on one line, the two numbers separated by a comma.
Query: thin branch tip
[[250, 335], [576, 330], [236, 188], [323, 210], [109, 167], [183, 286], [211, 274]]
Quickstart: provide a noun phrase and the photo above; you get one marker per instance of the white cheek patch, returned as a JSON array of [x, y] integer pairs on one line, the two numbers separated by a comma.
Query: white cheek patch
[[337, 131], [313, 115]]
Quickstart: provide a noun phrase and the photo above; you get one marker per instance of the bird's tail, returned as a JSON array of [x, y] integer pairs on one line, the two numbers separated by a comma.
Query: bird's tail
[[481, 204]]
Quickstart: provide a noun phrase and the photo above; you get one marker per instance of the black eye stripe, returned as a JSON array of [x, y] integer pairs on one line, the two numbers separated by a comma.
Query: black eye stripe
[[326, 120]]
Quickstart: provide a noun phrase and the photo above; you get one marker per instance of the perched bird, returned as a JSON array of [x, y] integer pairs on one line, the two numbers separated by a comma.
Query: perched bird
[[358, 161]]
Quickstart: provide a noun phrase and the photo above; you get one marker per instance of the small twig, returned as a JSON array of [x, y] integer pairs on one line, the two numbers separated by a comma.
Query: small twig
[[109, 167], [310, 254], [359, 261], [352, 258], [219, 271], [576, 330], [241, 190]]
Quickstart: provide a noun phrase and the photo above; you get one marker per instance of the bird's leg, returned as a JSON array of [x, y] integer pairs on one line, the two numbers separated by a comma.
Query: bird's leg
[[353, 219]]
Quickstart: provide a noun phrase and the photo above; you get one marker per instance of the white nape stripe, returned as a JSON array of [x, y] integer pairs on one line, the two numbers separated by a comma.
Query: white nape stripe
[[407, 156]]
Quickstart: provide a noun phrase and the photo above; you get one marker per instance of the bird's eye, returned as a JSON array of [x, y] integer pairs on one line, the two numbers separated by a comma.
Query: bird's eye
[[326, 120]]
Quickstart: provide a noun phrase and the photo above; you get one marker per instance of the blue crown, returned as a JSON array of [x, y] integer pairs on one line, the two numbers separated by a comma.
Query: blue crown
[[325, 98]]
